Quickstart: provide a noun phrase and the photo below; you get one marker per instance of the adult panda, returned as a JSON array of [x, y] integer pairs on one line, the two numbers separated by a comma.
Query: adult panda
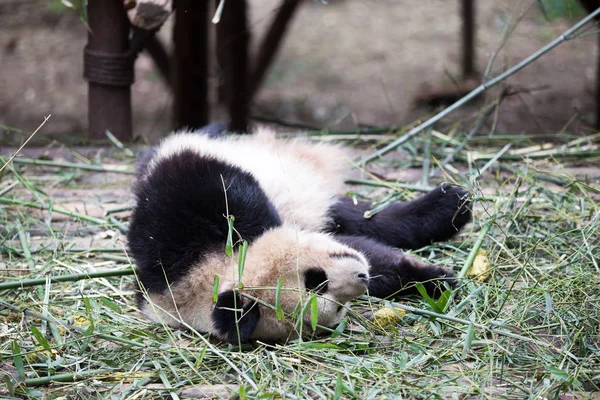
[[282, 196]]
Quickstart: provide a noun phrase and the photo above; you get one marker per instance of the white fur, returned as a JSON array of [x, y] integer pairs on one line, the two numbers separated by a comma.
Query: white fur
[[300, 178], [283, 253]]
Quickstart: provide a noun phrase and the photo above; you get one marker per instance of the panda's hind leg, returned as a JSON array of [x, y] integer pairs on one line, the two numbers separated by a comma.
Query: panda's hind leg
[[435, 216], [394, 273]]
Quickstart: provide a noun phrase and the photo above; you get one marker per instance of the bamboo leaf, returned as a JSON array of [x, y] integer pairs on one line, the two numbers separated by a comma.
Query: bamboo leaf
[[427, 298], [242, 261], [443, 300], [215, 294], [40, 338], [110, 304], [314, 312], [229, 243], [18, 360], [278, 310], [339, 387], [468, 339]]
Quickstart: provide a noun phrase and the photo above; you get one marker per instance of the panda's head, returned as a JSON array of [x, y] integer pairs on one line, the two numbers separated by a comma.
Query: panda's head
[[304, 266]]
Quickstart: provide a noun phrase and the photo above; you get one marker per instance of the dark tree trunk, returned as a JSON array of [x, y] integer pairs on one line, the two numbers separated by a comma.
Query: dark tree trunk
[[234, 39], [468, 38], [190, 69]]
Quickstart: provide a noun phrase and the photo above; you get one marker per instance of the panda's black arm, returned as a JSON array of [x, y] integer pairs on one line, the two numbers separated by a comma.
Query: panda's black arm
[[393, 272], [435, 216]]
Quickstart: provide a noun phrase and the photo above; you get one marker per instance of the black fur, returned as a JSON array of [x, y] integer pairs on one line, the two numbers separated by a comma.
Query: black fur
[[315, 279], [179, 218], [225, 315], [436, 216], [392, 273]]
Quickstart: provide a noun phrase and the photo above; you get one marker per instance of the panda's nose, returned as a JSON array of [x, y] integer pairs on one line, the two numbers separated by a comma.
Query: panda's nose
[[363, 277]]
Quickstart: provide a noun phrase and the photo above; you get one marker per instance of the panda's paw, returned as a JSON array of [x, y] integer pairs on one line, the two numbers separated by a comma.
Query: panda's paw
[[438, 215], [448, 206]]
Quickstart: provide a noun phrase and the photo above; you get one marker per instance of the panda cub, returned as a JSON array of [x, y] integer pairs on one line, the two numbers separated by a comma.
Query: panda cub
[[304, 239]]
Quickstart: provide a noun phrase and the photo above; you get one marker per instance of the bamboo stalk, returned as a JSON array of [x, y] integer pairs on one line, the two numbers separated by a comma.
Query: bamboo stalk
[[391, 185], [480, 89], [57, 164], [474, 250], [66, 278], [8, 188], [12, 158], [58, 210]]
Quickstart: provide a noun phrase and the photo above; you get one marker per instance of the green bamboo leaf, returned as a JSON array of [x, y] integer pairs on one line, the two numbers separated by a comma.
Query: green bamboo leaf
[[242, 261], [278, 310], [215, 294], [18, 359], [40, 338], [340, 328], [314, 312], [229, 243], [468, 339], [427, 298], [88, 336], [110, 304], [339, 387], [443, 300]]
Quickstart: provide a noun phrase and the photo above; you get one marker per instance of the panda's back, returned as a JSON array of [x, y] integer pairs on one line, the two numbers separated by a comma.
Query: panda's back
[[299, 178]]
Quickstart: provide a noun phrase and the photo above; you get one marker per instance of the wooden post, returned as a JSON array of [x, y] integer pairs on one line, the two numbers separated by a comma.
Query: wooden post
[[109, 92], [234, 42], [190, 68], [468, 38]]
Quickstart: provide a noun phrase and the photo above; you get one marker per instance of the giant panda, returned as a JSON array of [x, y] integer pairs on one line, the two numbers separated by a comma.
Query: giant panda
[[306, 243]]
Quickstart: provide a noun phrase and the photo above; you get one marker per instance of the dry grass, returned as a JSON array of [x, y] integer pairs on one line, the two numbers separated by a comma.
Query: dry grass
[[529, 331]]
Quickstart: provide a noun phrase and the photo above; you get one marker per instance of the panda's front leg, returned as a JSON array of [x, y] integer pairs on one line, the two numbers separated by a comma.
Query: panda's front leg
[[394, 273], [435, 216]]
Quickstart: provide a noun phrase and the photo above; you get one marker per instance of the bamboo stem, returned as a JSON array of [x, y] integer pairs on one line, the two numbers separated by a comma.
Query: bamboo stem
[[55, 164], [474, 250], [66, 278], [58, 210], [480, 89]]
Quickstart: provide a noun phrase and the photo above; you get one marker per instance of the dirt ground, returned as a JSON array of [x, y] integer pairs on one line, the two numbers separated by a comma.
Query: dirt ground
[[346, 62]]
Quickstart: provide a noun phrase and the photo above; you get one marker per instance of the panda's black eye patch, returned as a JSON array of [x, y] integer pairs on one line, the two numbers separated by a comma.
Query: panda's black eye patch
[[315, 279]]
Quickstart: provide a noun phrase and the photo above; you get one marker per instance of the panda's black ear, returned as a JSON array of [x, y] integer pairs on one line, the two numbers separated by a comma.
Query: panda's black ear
[[315, 279], [228, 310]]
